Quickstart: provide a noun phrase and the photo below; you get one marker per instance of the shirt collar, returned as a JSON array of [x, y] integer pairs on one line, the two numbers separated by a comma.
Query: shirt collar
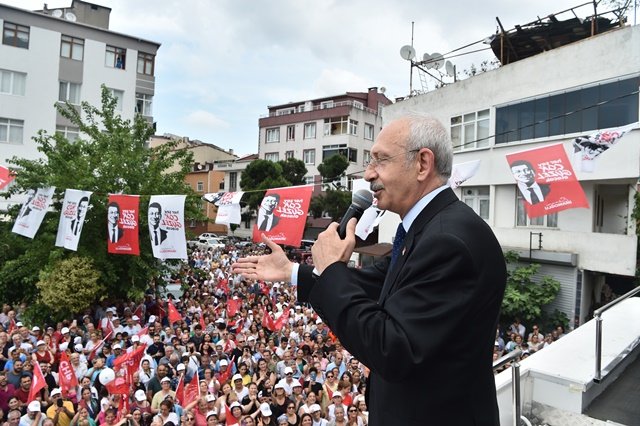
[[407, 221]]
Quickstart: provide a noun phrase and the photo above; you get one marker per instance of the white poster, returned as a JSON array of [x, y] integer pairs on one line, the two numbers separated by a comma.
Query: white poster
[[166, 226], [74, 210], [229, 208], [371, 216], [587, 148], [32, 212], [463, 172]]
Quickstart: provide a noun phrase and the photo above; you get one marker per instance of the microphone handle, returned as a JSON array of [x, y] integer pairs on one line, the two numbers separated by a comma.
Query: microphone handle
[[352, 211]]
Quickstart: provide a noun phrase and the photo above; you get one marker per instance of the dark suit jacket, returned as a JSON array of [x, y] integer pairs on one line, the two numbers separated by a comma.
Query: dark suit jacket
[[428, 335], [119, 234], [274, 222], [163, 236]]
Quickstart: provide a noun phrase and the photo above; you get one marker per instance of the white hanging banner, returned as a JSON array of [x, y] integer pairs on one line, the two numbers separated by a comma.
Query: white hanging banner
[[166, 226], [74, 210], [587, 148], [463, 172], [32, 212], [371, 216], [229, 208]]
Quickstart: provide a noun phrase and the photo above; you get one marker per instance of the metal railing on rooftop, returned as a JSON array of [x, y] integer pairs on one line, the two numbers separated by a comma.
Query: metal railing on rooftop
[[513, 356], [293, 110]]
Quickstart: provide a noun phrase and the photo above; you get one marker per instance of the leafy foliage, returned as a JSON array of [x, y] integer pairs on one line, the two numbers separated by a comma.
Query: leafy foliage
[[112, 157], [293, 170], [333, 168], [331, 201]]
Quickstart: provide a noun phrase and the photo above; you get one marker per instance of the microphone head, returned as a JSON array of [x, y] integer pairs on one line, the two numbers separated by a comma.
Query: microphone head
[[362, 198]]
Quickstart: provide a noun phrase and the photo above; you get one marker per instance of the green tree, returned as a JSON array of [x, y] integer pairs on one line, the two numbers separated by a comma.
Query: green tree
[[111, 157], [333, 168], [293, 170], [259, 176], [333, 202]]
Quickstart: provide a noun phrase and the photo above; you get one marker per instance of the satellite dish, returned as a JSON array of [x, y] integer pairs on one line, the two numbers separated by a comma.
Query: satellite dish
[[70, 16], [383, 89], [407, 52], [57, 13], [448, 66], [438, 60], [426, 58]]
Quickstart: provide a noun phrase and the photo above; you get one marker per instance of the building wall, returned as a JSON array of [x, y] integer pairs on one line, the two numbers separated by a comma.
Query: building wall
[[210, 183]]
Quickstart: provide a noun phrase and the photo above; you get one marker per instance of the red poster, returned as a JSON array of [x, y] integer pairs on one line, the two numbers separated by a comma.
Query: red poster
[[5, 177], [283, 214], [67, 376], [122, 224], [546, 180]]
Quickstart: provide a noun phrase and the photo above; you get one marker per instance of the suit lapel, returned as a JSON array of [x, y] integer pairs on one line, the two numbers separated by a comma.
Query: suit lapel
[[441, 201]]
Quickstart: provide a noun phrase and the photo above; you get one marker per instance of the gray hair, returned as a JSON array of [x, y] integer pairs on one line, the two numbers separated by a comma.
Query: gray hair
[[428, 132]]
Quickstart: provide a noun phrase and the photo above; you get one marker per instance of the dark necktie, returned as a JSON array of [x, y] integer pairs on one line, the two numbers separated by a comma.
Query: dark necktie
[[155, 237], [398, 242], [265, 221], [534, 197]]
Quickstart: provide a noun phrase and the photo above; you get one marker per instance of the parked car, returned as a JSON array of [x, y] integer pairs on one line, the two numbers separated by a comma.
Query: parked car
[[206, 235], [207, 243]]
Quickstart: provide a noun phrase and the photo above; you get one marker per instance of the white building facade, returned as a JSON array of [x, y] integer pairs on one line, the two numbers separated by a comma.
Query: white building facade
[[570, 91]]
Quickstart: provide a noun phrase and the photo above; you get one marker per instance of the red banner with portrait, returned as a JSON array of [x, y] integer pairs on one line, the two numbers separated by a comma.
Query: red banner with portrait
[[122, 224], [546, 180], [282, 215], [5, 177]]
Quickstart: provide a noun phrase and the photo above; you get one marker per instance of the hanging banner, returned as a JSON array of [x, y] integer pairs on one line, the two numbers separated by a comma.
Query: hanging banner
[[371, 216], [283, 214], [74, 210], [122, 224], [229, 208], [546, 180], [166, 226], [587, 148], [5, 177], [32, 212], [213, 197], [462, 172]]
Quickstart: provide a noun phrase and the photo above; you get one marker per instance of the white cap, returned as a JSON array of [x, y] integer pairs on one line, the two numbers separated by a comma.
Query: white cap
[[19, 324], [235, 404], [135, 318], [212, 412], [288, 370], [34, 405], [219, 321], [64, 346], [139, 395], [224, 362], [236, 377], [180, 367], [64, 330], [135, 338], [279, 386], [319, 321], [40, 342], [265, 410], [116, 346], [56, 391], [296, 383], [165, 379], [152, 318], [210, 398], [250, 338], [77, 339], [35, 328], [78, 347], [314, 408]]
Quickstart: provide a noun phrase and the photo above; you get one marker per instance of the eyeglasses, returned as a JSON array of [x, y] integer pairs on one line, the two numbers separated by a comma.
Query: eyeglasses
[[375, 162], [352, 411], [290, 408], [189, 419], [329, 376]]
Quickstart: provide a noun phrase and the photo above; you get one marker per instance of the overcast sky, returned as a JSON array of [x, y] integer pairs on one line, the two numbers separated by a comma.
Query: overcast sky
[[222, 63]]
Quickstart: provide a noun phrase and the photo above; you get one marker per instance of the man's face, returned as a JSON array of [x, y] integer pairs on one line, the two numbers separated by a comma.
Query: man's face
[[269, 203], [523, 173], [82, 208], [393, 182], [17, 365], [112, 215], [25, 383], [154, 216]]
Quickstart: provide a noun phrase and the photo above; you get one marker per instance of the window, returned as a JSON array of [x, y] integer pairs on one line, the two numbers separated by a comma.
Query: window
[[470, 130], [288, 154], [550, 220], [69, 92], [358, 105], [271, 156], [478, 199], [145, 63], [326, 104], [309, 130], [15, 35], [273, 135], [11, 130], [309, 180], [285, 111], [353, 127], [12, 83], [366, 158], [200, 186], [582, 110], [72, 48], [368, 131], [119, 95], [291, 132], [309, 156], [221, 186], [330, 150], [233, 181], [69, 132], [115, 57], [336, 125], [144, 104]]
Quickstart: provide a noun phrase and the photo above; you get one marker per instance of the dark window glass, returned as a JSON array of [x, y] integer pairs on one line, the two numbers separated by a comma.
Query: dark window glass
[[541, 117], [573, 108], [525, 122], [556, 115], [589, 100]]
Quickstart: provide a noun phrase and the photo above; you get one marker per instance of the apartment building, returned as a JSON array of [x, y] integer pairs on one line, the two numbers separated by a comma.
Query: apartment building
[[545, 99], [57, 55]]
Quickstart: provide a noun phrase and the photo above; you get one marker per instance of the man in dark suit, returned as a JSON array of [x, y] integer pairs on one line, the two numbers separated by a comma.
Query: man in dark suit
[[158, 235], [531, 190], [424, 320], [114, 232], [267, 220], [76, 224]]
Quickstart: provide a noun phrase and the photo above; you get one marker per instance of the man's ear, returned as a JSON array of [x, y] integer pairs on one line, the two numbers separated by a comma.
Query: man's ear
[[425, 164]]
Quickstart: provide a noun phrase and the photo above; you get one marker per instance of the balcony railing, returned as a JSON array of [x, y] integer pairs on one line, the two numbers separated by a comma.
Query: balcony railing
[[354, 104]]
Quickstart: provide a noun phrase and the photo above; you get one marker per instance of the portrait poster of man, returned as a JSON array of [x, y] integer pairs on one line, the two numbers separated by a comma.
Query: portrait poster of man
[[165, 216], [587, 148], [282, 215], [6, 177], [32, 212], [72, 215], [546, 180], [122, 224], [229, 208]]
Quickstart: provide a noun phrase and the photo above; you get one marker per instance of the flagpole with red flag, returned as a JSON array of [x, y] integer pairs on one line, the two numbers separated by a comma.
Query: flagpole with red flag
[[174, 315], [37, 383]]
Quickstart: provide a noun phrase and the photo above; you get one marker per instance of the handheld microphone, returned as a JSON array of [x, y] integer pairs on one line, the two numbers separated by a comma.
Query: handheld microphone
[[360, 201]]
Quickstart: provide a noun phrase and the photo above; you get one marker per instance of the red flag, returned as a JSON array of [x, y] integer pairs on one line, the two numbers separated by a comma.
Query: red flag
[[267, 321], [67, 376], [233, 305], [5, 177], [180, 391], [122, 225], [264, 288], [174, 315], [224, 377], [329, 393], [130, 361], [100, 344], [123, 406], [139, 312], [143, 331], [230, 420], [224, 285], [37, 382], [191, 391], [283, 214], [12, 326], [280, 322], [109, 328], [202, 324], [119, 385]]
